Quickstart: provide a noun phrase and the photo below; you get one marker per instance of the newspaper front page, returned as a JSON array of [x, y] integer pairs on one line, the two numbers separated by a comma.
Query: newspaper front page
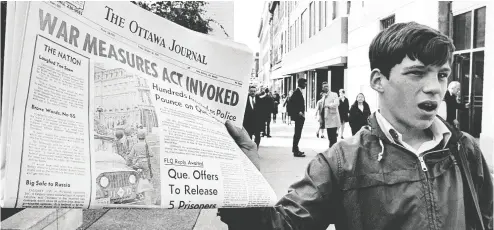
[[117, 107]]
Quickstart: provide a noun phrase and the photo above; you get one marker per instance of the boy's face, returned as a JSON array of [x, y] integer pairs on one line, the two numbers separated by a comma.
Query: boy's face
[[413, 93]]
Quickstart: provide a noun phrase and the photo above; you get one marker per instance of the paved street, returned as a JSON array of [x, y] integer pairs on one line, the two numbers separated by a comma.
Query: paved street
[[278, 165]]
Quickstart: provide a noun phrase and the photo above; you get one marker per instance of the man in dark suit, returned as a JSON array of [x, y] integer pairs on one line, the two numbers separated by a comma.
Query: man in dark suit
[[252, 119], [297, 113], [452, 103], [276, 99], [266, 105]]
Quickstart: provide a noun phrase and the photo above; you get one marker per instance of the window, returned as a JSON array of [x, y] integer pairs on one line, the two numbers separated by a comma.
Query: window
[[335, 12], [290, 38], [280, 12], [387, 22], [297, 34], [282, 9], [285, 8], [304, 26], [283, 33], [312, 19], [293, 36], [322, 15], [281, 44], [287, 40], [479, 28], [462, 30], [325, 13]]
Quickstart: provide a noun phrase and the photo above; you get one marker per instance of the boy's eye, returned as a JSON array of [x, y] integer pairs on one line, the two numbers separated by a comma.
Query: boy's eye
[[418, 73], [443, 75]]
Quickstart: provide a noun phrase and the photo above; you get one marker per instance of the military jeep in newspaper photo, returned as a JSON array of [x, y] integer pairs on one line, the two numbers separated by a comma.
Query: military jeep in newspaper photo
[[116, 183]]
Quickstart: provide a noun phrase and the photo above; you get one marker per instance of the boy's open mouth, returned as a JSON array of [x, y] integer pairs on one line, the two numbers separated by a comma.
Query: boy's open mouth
[[428, 106]]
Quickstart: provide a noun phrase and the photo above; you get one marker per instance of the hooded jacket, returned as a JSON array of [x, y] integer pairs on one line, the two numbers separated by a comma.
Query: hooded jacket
[[368, 182]]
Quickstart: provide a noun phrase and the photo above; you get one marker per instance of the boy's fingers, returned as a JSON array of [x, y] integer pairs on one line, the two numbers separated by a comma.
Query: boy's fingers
[[238, 134]]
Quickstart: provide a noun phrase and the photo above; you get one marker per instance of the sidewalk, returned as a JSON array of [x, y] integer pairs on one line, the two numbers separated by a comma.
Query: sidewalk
[[278, 165]]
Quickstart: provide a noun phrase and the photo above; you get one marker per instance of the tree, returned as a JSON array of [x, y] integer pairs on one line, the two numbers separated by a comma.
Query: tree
[[189, 14]]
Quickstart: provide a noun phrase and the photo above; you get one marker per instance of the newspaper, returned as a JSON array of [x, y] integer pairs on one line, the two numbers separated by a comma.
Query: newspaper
[[113, 106]]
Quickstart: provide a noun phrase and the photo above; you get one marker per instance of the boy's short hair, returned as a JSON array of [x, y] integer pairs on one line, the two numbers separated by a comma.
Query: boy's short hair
[[324, 83], [301, 80], [411, 39]]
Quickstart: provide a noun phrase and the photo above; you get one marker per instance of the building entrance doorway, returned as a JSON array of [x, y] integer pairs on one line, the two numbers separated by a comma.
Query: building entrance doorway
[[468, 66], [337, 78], [469, 71]]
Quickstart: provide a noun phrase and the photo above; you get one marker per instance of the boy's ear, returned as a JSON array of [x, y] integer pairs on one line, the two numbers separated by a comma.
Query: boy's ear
[[376, 80]]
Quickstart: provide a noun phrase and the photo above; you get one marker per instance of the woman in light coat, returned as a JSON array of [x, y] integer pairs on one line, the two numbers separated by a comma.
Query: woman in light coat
[[319, 116], [331, 116], [282, 108]]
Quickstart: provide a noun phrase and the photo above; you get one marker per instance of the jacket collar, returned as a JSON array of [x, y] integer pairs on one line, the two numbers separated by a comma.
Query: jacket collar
[[377, 131]]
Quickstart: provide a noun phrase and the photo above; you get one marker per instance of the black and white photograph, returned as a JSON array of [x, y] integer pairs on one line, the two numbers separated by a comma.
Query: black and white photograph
[[126, 149], [358, 114]]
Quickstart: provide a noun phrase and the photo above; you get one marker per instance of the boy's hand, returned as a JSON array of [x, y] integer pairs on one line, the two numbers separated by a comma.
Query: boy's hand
[[241, 137]]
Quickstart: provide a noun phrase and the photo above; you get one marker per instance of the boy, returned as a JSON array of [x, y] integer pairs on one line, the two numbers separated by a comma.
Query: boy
[[399, 173]]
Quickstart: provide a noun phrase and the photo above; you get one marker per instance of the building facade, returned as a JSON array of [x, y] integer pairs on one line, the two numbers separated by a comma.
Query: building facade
[[254, 80], [278, 26], [309, 40], [264, 35], [122, 100]]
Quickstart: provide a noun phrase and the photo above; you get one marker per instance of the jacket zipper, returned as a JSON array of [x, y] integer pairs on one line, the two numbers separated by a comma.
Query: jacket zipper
[[421, 158], [424, 169], [422, 162], [423, 165]]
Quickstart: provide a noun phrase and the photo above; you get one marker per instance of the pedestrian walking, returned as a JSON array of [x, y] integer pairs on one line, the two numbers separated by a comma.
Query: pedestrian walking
[[297, 114], [287, 107], [330, 114], [320, 116], [266, 107], [343, 110], [276, 101], [452, 100], [409, 170], [252, 117], [282, 108], [359, 113]]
